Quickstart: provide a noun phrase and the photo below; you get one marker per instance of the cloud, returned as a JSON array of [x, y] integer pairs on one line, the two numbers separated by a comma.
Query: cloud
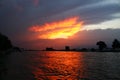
[[36, 2], [58, 29], [16, 16], [95, 12], [91, 11], [111, 24]]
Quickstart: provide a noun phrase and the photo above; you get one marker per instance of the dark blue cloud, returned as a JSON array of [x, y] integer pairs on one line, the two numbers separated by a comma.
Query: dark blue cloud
[[17, 15]]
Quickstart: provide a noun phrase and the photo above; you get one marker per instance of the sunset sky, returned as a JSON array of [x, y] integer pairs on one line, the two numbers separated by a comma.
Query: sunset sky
[[55, 23]]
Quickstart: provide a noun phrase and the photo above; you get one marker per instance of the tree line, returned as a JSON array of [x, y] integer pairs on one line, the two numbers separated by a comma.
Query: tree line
[[5, 43], [102, 45]]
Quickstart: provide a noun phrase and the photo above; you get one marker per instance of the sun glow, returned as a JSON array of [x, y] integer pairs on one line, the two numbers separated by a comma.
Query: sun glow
[[58, 29]]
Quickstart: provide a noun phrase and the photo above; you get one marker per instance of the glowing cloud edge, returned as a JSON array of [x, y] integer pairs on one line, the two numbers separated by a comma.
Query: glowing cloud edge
[[58, 29]]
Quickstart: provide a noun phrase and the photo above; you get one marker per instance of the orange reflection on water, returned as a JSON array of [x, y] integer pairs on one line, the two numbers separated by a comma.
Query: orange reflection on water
[[59, 66]]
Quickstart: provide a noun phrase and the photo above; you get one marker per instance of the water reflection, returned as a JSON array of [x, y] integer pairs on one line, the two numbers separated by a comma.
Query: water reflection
[[33, 65], [62, 66]]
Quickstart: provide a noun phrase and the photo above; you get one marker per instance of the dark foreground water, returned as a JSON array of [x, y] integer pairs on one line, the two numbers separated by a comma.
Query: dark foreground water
[[61, 66]]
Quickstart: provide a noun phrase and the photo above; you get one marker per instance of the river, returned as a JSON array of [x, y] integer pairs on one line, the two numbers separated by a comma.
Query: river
[[61, 65]]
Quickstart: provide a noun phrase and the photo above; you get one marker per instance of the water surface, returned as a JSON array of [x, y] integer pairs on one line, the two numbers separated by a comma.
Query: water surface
[[48, 65]]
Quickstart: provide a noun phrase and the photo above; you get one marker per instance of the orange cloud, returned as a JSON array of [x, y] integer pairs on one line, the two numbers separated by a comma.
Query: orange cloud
[[58, 29]]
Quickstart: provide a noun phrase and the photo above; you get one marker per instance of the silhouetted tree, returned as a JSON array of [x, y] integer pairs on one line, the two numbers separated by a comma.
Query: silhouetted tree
[[92, 49], [17, 49], [101, 45], [50, 49], [5, 43], [84, 49], [116, 44], [67, 48]]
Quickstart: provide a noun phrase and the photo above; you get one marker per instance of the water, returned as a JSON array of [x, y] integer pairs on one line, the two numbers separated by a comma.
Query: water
[[42, 65]]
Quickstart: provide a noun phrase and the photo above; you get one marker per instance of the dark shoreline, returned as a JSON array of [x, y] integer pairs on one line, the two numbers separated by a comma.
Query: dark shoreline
[[78, 50]]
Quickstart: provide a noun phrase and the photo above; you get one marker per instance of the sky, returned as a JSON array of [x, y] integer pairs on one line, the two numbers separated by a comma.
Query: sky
[[55, 23]]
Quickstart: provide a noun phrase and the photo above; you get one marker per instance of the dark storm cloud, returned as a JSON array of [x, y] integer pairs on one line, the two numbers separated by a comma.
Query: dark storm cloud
[[17, 15], [93, 13]]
